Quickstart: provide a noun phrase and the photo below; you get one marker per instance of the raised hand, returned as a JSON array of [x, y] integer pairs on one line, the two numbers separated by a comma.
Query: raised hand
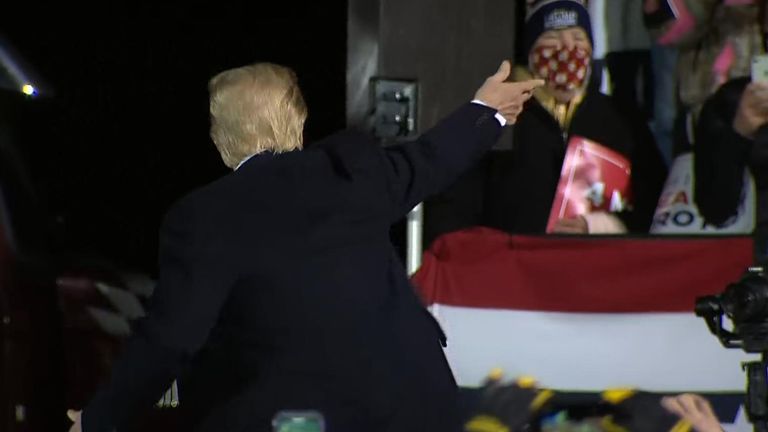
[[695, 409], [505, 97]]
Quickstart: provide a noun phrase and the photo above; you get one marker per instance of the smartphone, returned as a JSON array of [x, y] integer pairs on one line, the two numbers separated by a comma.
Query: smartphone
[[298, 421], [760, 68]]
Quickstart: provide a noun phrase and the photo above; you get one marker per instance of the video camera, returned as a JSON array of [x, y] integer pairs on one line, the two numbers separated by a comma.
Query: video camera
[[745, 302]]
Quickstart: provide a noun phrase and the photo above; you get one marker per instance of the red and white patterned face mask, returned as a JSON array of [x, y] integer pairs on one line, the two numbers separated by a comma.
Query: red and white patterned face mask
[[565, 69]]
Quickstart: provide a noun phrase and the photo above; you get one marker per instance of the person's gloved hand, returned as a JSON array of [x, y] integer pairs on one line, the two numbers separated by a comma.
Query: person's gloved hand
[[507, 407]]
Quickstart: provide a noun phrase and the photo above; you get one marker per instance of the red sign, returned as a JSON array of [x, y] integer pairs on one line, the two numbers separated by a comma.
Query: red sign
[[593, 178]]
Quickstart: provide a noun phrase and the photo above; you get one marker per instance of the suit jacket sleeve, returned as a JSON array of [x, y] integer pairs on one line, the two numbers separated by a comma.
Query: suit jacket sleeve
[[417, 170], [193, 285], [461, 205]]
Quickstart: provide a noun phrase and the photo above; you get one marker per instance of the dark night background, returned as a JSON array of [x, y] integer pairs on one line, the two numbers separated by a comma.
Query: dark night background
[[127, 131]]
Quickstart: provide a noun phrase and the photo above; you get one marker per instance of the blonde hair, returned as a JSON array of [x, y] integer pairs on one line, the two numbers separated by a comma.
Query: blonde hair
[[256, 108]]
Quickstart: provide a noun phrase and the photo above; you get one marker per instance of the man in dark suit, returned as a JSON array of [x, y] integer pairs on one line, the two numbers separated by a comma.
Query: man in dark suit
[[279, 289]]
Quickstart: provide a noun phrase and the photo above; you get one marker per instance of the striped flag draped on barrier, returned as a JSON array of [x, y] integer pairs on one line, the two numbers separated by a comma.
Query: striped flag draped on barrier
[[585, 314]]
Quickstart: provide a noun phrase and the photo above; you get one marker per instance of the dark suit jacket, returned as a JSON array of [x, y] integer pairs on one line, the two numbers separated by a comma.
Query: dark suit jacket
[[279, 289]]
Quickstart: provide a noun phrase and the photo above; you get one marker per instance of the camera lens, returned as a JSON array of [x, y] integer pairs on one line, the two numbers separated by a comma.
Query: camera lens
[[747, 299], [708, 306]]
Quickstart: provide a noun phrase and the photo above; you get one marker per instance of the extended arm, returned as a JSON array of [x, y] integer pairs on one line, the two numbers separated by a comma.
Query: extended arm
[[191, 290], [417, 170]]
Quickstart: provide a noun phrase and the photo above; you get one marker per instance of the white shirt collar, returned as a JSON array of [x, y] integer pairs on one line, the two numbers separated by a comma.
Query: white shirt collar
[[244, 161]]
